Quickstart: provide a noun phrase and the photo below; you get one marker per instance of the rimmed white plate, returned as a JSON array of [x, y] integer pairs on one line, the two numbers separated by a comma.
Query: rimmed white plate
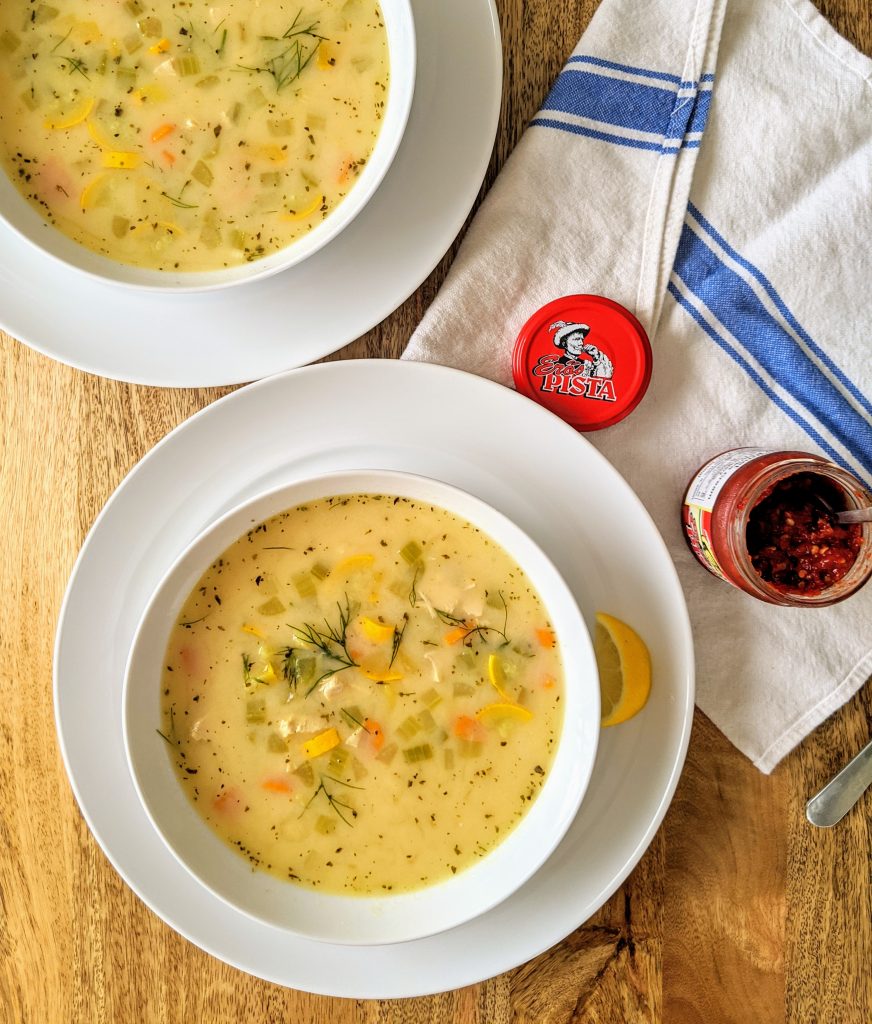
[[442, 423], [263, 327]]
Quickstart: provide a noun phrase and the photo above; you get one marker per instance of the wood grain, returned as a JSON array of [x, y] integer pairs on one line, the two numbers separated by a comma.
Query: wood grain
[[737, 912]]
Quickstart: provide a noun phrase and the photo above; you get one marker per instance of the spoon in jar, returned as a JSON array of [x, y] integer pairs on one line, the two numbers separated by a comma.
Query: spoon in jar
[[854, 515]]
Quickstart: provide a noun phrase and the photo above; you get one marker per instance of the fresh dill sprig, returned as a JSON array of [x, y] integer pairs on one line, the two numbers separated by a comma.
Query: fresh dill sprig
[[287, 66], [164, 736], [178, 201], [398, 638], [76, 65], [413, 593], [334, 802], [192, 622], [452, 620], [332, 641]]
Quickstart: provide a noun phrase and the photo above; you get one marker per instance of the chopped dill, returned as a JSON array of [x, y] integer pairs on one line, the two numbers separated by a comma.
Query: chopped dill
[[287, 66], [334, 802], [398, 638]]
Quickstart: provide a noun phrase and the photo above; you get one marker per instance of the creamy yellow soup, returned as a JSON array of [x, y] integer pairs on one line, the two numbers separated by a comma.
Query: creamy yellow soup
[[189, 135], [363, 695]]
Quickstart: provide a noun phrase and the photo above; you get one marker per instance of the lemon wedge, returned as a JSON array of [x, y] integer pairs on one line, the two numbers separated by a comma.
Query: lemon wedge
[[624, 668], [503, 712]]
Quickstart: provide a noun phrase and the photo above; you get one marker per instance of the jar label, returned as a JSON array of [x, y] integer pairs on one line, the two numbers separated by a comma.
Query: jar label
[[699, 502]]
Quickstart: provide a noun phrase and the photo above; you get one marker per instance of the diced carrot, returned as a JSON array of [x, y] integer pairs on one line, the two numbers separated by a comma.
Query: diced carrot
[[162, 131], [168, 156], [468, 728], [277, 784], [161, 46], [229, 801], [456, 635], [547, 682], [375, 732], [345, 169], [546, 637], [190, 659]]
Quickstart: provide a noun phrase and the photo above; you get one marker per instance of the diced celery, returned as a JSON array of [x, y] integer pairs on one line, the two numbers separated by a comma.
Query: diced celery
[[361, 64], [337, 759], [319, 570], [186, 64], [209, 82], [423, 752], [440, 736], [305, 773], [126, 77], [235, 113], [411, 552], [466, 659], [325, 825], [469, 748], [256, 98], [463, 690], [360, 772], [133, 7], [9, 41], [150, 26], [255, 710], [400, 588], [493, 599], [315, 122], [100, 67], [430, 699], [272, 179], [354, 715], [210, 236], [304, 668], [132, 42], [45, 13], [276, 744], [280, 127], [272, 607], [201, 172], [425, 720], [120, 226], [448, 754], [303, 580], [408, 727], [236, 238], [387, 754]]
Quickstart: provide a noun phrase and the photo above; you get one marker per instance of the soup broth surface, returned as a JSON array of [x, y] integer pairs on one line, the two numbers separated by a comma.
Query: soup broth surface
[[362, 695], [189, 135]]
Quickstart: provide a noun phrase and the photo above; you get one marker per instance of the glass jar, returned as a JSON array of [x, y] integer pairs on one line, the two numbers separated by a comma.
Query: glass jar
[[763, 521]]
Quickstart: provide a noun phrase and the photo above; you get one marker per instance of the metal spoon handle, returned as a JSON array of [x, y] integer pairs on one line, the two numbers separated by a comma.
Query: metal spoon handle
[[856, 515], [839, 795]]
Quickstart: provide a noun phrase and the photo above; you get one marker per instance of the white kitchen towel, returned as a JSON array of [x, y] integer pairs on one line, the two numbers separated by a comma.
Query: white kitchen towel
[[708, 164]]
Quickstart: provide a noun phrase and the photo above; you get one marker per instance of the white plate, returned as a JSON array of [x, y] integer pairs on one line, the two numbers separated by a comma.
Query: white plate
[[263, 327], [464, 430]]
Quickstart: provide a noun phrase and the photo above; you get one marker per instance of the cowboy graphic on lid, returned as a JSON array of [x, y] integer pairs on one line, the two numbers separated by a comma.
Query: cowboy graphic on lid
[[571, 338]]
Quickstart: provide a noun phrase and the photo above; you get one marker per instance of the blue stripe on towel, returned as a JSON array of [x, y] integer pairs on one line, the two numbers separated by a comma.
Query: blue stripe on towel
[[733, 303], [667, 113], [593, 133], [613, 101], [722, 343], [848, 384]]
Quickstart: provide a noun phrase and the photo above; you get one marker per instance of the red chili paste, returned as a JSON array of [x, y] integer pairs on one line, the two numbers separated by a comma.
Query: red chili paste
[[794, 540]]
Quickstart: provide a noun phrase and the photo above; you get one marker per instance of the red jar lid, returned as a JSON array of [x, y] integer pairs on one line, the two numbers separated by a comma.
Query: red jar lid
[[585, 358]]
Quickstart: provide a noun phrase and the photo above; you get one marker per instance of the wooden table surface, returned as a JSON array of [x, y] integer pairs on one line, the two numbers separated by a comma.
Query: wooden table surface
[[739, 911]]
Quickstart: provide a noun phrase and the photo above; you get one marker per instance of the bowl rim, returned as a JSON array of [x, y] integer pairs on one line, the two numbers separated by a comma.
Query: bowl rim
[[585, 705], [28, 224]]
